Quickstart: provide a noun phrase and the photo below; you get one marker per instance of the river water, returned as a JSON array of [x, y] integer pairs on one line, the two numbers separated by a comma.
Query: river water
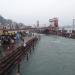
[[53, 55]]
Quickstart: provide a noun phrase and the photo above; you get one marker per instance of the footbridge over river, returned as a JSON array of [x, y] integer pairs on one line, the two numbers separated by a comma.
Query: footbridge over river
[[13, 56]]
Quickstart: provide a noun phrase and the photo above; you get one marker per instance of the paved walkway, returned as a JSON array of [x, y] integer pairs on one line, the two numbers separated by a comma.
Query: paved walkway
[[6, 50]]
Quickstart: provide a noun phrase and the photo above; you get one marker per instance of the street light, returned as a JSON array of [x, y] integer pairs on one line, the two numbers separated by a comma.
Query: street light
[[73, 22]]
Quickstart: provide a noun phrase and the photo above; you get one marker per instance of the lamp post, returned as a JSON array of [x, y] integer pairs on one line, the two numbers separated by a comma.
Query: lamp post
[[73, 22]]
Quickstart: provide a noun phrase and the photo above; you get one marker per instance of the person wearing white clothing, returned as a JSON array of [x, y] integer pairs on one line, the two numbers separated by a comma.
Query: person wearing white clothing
[[24, 44]]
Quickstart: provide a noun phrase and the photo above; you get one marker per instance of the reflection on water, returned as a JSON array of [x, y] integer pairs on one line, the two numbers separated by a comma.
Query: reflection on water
[[52, 56]]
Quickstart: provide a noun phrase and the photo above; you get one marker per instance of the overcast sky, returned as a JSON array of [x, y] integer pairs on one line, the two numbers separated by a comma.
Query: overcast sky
[[29, 11]]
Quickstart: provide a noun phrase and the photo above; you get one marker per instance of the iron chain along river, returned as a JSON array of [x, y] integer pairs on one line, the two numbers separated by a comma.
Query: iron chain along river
[[53, 55]]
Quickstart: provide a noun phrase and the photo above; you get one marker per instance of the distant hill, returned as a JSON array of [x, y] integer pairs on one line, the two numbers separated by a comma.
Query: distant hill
[[2, 20], [5, 22]]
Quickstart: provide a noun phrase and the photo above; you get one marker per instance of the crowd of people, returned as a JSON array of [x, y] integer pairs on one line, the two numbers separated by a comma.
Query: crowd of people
[[12, 38], [7, 39]]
